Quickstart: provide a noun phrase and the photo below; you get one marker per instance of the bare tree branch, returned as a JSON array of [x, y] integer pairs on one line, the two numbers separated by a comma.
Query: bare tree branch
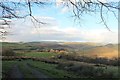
[[102, 18], [79, 8]]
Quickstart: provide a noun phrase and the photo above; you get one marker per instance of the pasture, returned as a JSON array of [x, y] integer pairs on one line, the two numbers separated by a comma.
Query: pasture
[[37, 54], [29, 69], [27, 62], [67, 69]]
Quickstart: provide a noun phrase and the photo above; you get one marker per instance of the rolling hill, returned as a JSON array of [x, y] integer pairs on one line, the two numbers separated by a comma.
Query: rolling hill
[[81, 48]]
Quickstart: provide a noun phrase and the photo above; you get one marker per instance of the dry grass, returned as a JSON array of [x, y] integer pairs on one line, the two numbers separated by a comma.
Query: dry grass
[[102, 52]]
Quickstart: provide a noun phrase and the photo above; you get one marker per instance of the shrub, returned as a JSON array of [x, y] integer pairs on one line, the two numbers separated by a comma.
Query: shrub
[[8, 52]]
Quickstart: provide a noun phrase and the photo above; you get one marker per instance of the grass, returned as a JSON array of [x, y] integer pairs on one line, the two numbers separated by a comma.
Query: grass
[[14, 45], [37, 54], [50, 69], [26, 72], [45, 68], [6, 66], [112, 69]]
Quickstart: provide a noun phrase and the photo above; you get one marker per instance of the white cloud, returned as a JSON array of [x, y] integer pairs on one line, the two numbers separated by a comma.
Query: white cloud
[[102, 36], [68, 34], [25, 31]]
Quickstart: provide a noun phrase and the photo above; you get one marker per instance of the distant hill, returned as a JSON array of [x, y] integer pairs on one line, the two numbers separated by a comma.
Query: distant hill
[[81, 48], [81, 45], [109, 51]]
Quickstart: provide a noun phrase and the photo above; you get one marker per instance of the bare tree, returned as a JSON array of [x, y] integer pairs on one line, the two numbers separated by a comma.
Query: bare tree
[[10, 9], [82, 7]]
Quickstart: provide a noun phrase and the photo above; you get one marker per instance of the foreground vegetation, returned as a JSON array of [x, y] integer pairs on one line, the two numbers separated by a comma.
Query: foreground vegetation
[[32, 63], [48, 69], [6, 67], [66, 69]]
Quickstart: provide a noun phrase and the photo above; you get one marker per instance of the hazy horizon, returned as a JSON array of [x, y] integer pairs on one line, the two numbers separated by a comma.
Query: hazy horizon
[[58, 42]]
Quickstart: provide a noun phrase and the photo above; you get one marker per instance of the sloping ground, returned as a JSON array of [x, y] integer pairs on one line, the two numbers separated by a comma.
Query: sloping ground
[[82, 48], [103, 51], [80, 45], [94, 49]]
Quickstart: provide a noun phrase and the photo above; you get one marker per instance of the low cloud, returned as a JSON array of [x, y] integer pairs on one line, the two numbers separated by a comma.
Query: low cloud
[[68, 34], [28, 32]]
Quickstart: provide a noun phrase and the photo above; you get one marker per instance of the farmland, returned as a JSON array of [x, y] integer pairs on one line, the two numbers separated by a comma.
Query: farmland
[[37, 54], [54, 60]]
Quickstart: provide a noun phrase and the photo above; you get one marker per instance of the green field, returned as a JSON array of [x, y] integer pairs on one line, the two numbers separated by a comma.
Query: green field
[[6, 66], [36, 54], [52, 71], [45, 68], [27, 68]]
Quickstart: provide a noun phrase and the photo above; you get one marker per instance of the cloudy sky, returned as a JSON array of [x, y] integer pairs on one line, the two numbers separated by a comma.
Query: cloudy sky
[[62, 27]]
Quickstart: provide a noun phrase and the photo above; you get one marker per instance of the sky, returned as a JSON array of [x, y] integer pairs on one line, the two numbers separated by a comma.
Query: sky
[[60, 26]]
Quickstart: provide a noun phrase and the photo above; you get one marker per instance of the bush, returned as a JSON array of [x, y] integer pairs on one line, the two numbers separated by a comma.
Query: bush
[[97, 60], [65, 65], [8, 52], [85, 70]]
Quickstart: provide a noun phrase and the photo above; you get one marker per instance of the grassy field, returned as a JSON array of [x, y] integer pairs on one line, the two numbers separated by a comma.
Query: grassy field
[[112, 69], [37, 54], [47, 69], [6, 66], [52, 71], [25, 71], [26, 68]]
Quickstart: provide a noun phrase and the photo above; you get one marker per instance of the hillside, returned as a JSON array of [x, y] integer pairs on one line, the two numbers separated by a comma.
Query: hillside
[[81, 48], [109, 51]]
